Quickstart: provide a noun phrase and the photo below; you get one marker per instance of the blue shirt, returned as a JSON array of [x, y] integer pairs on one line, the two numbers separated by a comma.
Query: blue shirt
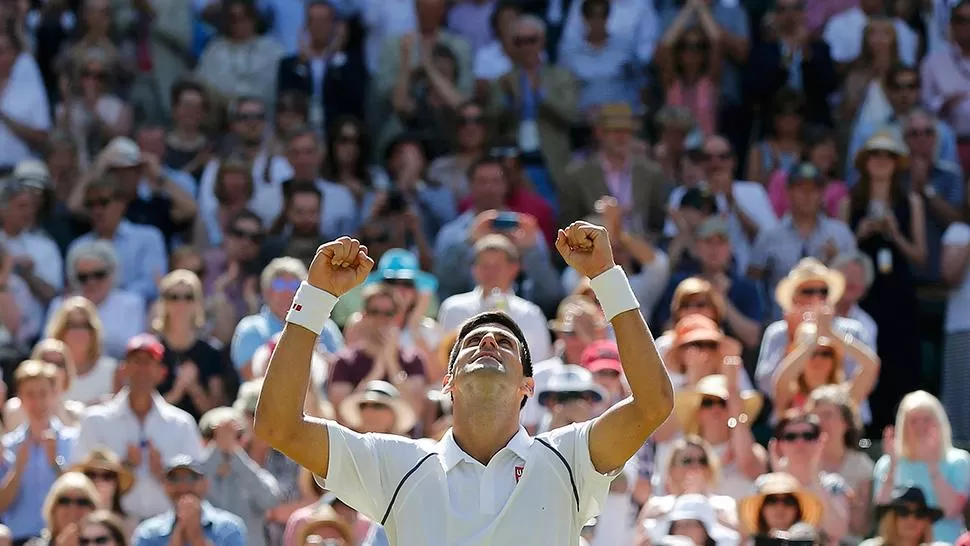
[[220, 527], [254, 331], [606, 74], [25, 516], [744, 294], [142, 257]]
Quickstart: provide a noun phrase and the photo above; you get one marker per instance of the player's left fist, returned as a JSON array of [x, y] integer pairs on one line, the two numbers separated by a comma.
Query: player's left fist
[[586, 248]]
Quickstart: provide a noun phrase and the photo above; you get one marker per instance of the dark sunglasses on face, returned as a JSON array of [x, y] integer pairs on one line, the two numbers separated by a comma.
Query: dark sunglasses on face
[[92, 204], [566, 397], [689, 460], [174, 296], [470, 120], [787, 500], [521, 41], [907, 511], [251, 116], [723, 156], [80, 502], [405, 283], [98, 540], [809, 292], [373, 405], [808, 436], [101, 475], [825, 353], [386, 313], [905, 86], [713, 402], [285, 285], [253, 236], [91, 276], [695, 304], [703, 345], [916, 133]]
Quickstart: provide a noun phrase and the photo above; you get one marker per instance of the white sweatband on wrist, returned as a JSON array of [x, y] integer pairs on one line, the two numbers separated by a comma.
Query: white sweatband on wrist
[[311, 307], [613, 290]]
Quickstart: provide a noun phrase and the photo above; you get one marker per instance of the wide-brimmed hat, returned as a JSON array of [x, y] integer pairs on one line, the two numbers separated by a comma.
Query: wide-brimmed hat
[[695, 328], [122, 153], [571, 309], [693, 286], [104, 459], [903, 496], [884, 141], [379, 392], [324, 515], [778, 483], [617, 115], [694, 507], [400, 264], [688, 401], [809, 270], [571, 379]]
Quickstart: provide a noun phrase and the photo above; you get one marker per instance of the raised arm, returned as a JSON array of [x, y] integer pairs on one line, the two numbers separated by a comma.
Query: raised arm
[[618, 434], [280, 420]]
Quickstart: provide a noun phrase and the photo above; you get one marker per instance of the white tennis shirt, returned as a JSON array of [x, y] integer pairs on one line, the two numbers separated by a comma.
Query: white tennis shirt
[[523, 496]]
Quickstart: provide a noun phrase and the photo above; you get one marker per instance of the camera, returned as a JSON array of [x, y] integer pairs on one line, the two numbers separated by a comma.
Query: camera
[[396, 203]]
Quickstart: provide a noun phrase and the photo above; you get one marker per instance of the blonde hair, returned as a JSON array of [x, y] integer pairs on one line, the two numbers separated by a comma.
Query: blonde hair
[[279, 267], [173, 279], [69, 481], [696, 286], [35, 369], [51, 345], [58, 323], [887, 530], [922, 400], [693, 441]]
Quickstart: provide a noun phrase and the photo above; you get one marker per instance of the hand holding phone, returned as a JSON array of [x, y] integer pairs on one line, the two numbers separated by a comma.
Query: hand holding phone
[[506, 221]]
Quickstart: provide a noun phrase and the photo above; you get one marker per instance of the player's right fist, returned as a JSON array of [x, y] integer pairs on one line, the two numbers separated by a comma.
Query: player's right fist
[[339, 266]]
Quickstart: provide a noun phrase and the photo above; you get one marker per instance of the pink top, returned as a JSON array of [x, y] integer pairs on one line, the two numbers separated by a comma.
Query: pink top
[[833, 194], [700, 99]]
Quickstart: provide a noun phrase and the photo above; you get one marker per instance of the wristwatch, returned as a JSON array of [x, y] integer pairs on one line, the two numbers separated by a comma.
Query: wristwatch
[[929, 191]]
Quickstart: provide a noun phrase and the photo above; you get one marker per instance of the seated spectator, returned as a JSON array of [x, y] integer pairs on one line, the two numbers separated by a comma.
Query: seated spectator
[[815, 359], [673, 124], [36, 258], [319, 370], [112, 480], [796, 450], [233, 189], [697, 204], [103, 527], [819, 150], [347, 160], [844, 34], [77, 325], [570, 395], [377, 354], [232, 275], [693, 516], [92, 271], [71, 498], [24, 102], [689, 60], [67, 410], [236, 483], [697, 349], [192, 519], [140, 426], [602, 359], [839, 419], [859, 273], [451, 170], [919, 453], [327, 527], [378, 407], [35, 452], [195, 378], [300, 232], [493, 60], [495, 267], [782, 147], [187, 147], [365, 531], [779, 502], [906, 520]]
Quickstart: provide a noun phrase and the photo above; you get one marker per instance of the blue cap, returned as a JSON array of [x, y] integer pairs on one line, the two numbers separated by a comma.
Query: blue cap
[[401, 264]]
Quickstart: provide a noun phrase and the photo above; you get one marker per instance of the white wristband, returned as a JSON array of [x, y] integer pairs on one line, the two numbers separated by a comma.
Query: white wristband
[[613, 290], [311, 307]]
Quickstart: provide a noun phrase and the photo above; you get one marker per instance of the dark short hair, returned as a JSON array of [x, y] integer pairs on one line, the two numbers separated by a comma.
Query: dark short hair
[[900, 68], [589, 5], [483, 162], [500, 319], [188, 86]]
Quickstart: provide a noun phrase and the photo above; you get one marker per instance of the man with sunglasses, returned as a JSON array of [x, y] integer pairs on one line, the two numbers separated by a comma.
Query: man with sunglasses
[[193, 521]]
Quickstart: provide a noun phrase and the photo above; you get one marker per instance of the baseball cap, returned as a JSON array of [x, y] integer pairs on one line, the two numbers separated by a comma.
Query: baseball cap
[[601, 355], [401, 264], [123, 152], [699, 198], [183, 462], [805, 172], [147, 343], [33, 174], [715, 225]]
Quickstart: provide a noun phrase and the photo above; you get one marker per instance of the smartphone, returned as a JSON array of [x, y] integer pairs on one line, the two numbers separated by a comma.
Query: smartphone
[[396, 203], [877, 210], [506, 221]]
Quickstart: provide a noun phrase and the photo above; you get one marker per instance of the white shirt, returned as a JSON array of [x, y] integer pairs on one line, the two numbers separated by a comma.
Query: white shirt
[[629, 21], [385, 19], [523, 496], [91, 387], [48, 264], [461, 307], [123, 315], [113, 425], [23, 100], [844, 32], [958, 304], [267, 199], [491, 62]]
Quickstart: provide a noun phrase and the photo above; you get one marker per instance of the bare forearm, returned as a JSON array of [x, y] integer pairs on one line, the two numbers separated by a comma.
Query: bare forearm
[[649, 383], [747, 330], [949, 499], [280, 411]]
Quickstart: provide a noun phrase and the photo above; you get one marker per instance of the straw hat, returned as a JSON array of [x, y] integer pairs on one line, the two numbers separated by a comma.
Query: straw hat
[[325, 516], [379, 392], [104, 459], [617, 115], [687, 402], [809, 270], [693, 286], [883, 141], [778, 483]]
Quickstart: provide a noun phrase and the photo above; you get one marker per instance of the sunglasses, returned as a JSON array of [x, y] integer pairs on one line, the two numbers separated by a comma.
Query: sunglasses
[[703, 345], [78, 325], [174, 296], [521, 41], [689, 460], [565, 397], [905, 86], [723, 156], [102, 476], [97, 203], [786, 500], [470, 120], [884, 154], [253, 236], [251, 116], [80, 502], [99, 540], [925, 132], [92, 276], [407, 283], [386, 313], [825, 353], [93, 74], [906, 512], [808, 292], [285, 285], [808, 436], [709, 402]]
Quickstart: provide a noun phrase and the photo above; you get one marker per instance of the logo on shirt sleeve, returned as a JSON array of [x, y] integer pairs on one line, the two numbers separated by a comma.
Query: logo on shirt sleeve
[[518, 473]]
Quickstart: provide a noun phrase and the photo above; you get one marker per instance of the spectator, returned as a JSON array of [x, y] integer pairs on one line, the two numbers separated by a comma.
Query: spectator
[[103, 526], [112, 481], [234, 189], [675, 126], [71, 498], [451, 170], [865, 97], [36, 258], [629, 21], [142, 427], [779, 502], [859, 274], [66, 410], [693, 516], [300, 233], [192, 519], [782, 145], [697, 349], [378, 407], [237, 484], [493, 60], [944, 85], [348, 162], [232, 274], [26, 115], [569, 395], [19, 311], [845, 37], [956, 251], [906, 519], [77, 325], [187, 148], [818, 150], [326, 527]]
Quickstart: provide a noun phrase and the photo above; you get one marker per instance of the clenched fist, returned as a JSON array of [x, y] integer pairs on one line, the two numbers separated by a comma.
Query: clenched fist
[[339, 266], [586, 248]]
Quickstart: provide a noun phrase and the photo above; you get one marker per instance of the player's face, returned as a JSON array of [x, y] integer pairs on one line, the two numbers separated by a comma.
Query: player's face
[[490, 354]]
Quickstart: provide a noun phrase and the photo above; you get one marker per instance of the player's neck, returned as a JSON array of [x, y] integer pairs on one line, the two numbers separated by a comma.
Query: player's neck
[[482, 434]]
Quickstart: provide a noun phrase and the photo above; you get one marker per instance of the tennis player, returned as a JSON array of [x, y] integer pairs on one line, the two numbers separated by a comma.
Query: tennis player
[[487, 482]]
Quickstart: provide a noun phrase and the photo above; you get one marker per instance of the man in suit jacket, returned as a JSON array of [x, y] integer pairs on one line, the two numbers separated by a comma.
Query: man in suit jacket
[[334, 80], [534, 105], [636, 182]]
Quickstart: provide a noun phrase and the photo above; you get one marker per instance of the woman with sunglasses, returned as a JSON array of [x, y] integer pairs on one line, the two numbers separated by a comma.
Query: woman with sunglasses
[[796, 449], [778, 503], [72, 497], [815, 358], [782, 147], [77, 325], [839, 419], [348, 159], [906, 520], [890, 227], [112, 480], [68, 410], [233, 189], [102, 528], [689, 63], [865, 99], [195, 378], [919, 452]]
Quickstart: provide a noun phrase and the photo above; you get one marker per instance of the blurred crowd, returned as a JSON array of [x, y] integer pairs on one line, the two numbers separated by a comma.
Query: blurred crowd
[[782, 180]]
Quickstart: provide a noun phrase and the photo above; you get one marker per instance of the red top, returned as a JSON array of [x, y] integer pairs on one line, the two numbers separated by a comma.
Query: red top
[[525, 201]]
